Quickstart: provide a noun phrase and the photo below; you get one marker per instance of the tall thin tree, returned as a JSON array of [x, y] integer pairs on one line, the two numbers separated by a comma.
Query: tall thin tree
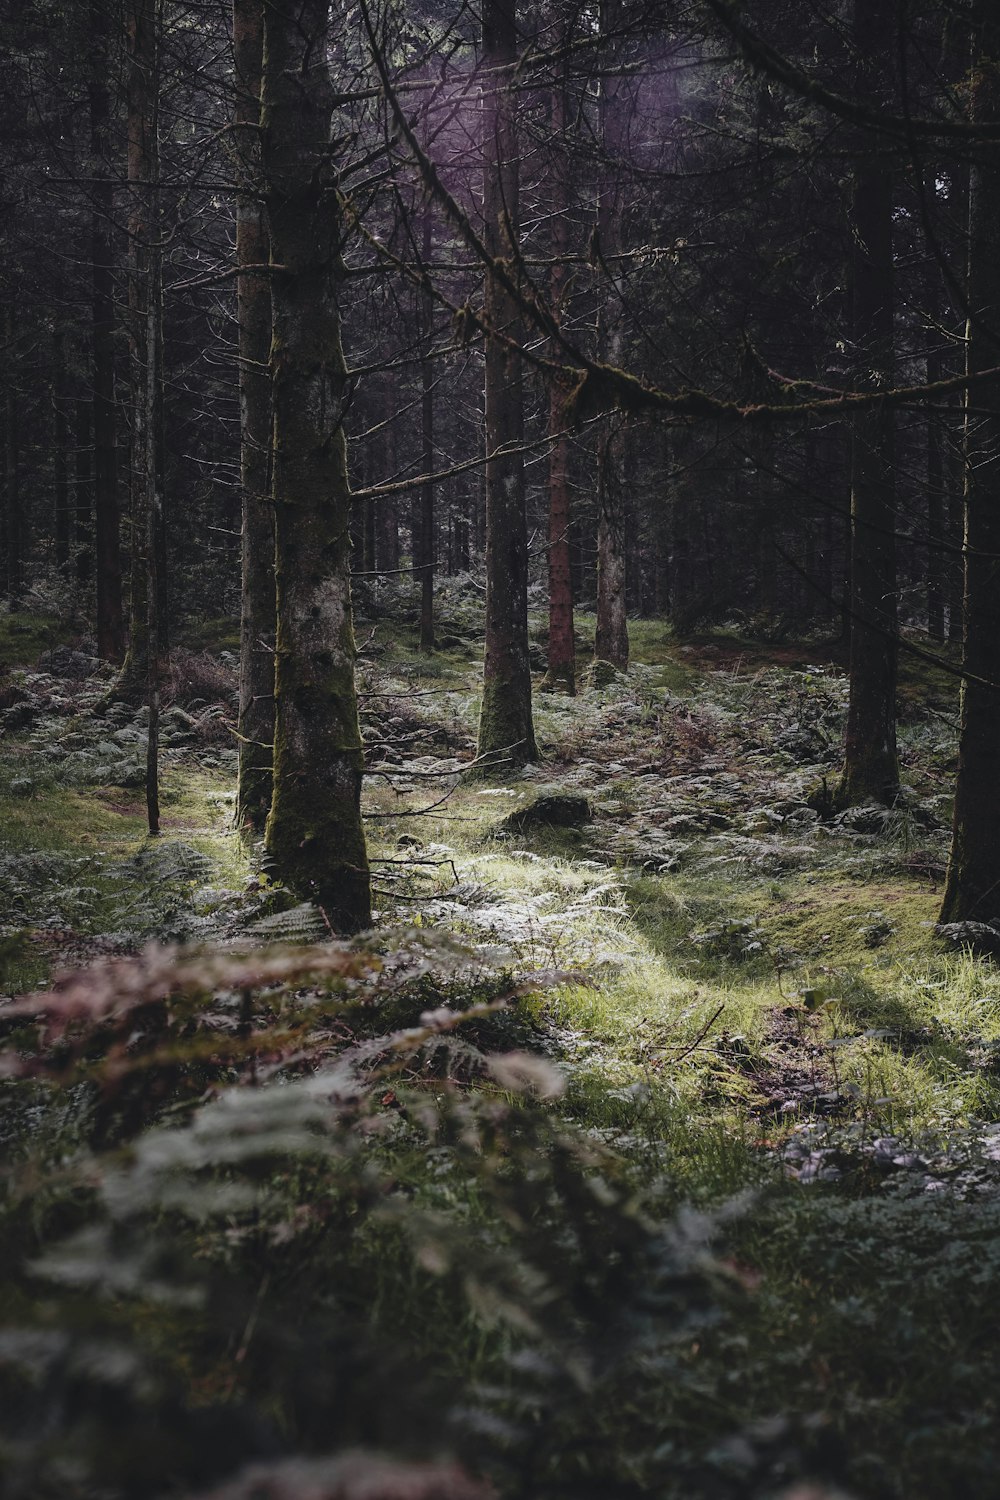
[[506, 727], [871, 765], [256, 702]]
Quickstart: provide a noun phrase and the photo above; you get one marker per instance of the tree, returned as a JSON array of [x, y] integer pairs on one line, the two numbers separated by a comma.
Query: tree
[[972, 890], [560, 675], [611, 636], [871, 766], [107, 508], [505, 722], [314, 836], [256, 704]]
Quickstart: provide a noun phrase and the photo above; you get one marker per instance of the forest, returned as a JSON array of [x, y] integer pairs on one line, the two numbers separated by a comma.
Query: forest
[[499, 773]]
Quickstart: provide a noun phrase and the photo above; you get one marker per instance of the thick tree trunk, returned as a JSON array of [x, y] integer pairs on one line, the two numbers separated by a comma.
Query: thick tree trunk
[[314, 835], [611, 638], [972, 890], [256, 701], [506, 729], [871, 767], [107, 517], [560, 676]]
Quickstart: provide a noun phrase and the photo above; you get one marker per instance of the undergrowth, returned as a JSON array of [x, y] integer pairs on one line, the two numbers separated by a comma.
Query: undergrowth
[[652, 1146]]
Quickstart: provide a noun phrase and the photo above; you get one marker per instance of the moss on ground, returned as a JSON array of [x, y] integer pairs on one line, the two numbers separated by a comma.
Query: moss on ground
[[741, 1001]]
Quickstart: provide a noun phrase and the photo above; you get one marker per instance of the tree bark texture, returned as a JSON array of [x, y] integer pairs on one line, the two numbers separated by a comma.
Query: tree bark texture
[[142, 165], [60, 453], [257, 603], [871, 767], [506, 729], [611, 639], [427, 444], [972, 889], [560, 676], [314, 834], [107, 510], [83, 490], [13, 518]]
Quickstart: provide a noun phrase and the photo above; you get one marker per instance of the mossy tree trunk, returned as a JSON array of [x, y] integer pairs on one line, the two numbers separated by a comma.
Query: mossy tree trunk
[[256, 705], [972, 890], [871, 766], [506, 728], [314, 834]]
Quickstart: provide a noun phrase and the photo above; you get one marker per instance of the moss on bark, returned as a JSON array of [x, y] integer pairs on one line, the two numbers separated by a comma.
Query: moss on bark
[[314, 833]]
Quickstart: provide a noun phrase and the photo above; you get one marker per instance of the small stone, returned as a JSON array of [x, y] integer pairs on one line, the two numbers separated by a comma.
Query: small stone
[[22, 787]]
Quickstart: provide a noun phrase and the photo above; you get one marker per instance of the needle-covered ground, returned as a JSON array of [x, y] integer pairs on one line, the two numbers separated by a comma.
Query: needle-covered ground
[[739, 1235]]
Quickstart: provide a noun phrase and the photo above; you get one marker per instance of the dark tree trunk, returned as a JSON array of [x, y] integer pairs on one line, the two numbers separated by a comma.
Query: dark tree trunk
[[505, 724], [314, 837], [611, 638], [256, 703], [107, 519], [60, 454], [972, 890], [12, 501], [83, 490], [427, 539], [871, 767], [142, 297], [936, 570], [560, 676]]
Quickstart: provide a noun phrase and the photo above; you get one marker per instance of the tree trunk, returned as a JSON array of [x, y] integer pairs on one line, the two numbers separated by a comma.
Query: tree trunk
[[60, 454], [314, 835], [506, 730], [427, 541], [83, 490], [256, 701], [142, 168], [153, 471], [611, 638], [935, 466], [107, 518], [972, 890], [12, 502], [871, 767], [560, 676]]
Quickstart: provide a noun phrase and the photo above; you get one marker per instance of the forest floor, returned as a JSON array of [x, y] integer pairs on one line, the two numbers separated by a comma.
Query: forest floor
[[747, 1003]]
